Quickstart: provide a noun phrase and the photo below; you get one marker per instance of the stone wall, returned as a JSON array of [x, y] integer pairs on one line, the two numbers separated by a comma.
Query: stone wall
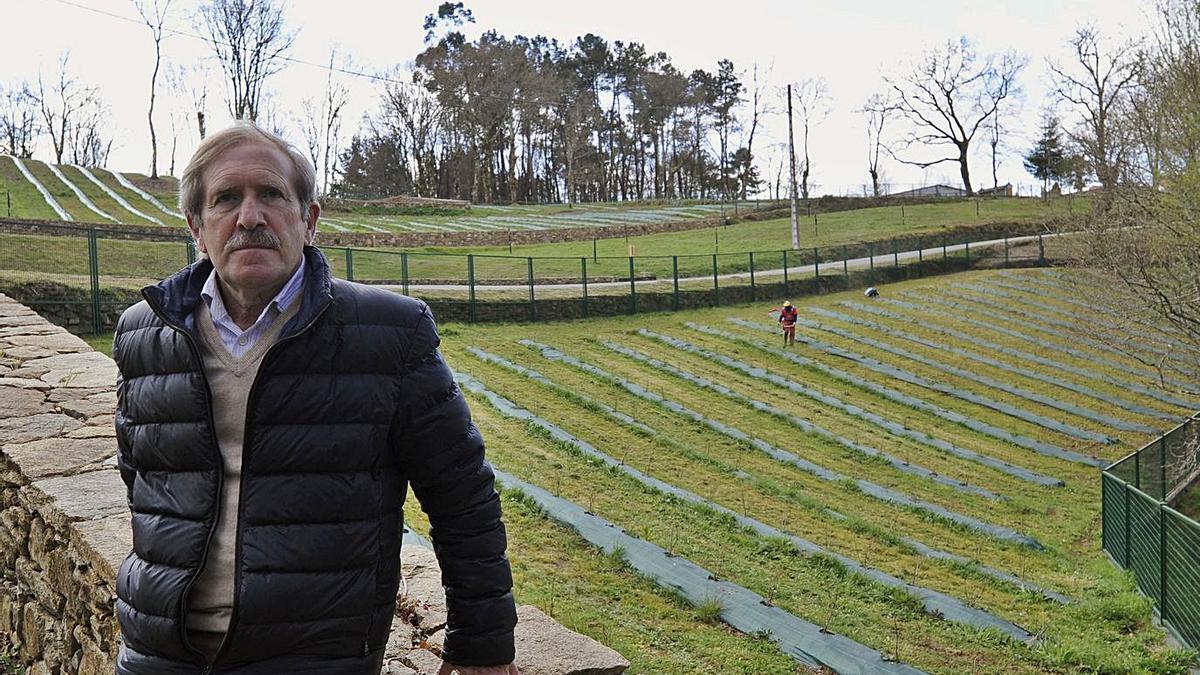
[[64, 526]]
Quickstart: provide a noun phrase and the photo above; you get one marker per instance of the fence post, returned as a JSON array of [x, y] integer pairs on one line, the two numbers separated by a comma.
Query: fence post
[[191, 250], [583, 276], [94, 273], [1137, 470], [871, 257], [632, 289], [1162, 562], [895, 253], [349, 264], [404, 272], [846, 264], [470, 288], [753, 290], [1006, 251], [532, 301], [1162, 452], [675, 283], [1041, 251], [920, 259], [785, 266], [1125, 558], [716, 285], [944, 254], [968, 247]]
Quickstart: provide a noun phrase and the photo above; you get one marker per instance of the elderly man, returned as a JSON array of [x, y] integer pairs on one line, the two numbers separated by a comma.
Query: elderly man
[[270, 419]]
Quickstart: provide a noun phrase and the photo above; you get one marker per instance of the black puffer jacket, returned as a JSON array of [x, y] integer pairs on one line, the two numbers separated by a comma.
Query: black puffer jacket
[[349, 407]]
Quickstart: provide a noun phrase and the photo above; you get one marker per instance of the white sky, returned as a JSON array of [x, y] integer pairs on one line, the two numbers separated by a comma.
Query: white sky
[[849, 44]]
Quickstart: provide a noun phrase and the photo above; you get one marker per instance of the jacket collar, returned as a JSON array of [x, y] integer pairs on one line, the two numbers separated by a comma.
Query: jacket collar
[[174, 298]]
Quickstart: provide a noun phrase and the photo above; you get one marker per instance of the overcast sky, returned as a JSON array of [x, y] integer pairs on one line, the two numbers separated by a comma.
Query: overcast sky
[[849, 44]]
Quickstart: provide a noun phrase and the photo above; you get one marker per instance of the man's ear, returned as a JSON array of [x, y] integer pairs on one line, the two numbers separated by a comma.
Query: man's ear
[[310, 222], [197, 230]]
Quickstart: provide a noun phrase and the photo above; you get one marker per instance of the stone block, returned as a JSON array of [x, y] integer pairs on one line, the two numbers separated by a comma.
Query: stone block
[[86, 496], [7, 620], [22, 402], [94, 405], [87, 369], [395, 667], [104, 542], [28, 352], [33, 626], [60, 456], [36, 427], [93, 432], [60, 342], [545, 647], [422, 662], [94, 661], [425, 597]]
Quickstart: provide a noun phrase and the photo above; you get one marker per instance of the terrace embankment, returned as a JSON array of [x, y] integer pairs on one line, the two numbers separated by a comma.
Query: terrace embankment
[[65, 528]]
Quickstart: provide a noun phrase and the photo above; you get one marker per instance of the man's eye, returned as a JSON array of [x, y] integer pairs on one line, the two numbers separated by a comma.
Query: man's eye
[[224, 198], [273, 193]]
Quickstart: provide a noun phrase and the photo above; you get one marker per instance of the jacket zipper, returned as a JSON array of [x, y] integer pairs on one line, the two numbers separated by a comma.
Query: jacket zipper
[[210, 665], [212, 427], [237, 544]]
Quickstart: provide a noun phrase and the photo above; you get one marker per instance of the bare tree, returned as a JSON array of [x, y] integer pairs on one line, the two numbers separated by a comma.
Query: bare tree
[[250, 43], [1095, 83], [19, 126], [60, 104], [877, 109], [813, 104], [947, 96], [86, 139], [154, 15]]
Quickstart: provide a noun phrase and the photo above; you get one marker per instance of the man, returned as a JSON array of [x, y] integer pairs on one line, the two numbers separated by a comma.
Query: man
[[787, 321], [269, 420]]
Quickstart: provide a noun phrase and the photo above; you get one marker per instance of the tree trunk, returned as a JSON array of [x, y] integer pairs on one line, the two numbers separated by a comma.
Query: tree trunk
[[966, 172]]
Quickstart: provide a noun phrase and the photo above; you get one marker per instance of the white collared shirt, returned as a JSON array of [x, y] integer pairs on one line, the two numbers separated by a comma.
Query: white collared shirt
[[239, 341]]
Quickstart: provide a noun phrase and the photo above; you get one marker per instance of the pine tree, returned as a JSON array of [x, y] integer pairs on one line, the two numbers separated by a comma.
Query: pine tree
[[1048, 160]]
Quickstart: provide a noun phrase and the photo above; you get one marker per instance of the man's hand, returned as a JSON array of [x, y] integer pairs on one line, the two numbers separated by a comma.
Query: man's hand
[[449, 668]]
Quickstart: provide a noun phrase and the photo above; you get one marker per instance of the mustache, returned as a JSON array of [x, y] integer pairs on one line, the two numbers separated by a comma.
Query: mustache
[[256, 238]]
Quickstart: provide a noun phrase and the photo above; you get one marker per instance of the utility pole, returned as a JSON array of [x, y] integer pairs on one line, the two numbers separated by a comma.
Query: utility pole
[[792, 163]]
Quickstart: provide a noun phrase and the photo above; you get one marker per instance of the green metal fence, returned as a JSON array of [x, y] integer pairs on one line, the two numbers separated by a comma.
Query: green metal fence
[[1144, 534], [489, 287]]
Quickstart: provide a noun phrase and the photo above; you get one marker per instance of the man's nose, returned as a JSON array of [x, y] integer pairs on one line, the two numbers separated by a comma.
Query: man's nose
[[250, 215]]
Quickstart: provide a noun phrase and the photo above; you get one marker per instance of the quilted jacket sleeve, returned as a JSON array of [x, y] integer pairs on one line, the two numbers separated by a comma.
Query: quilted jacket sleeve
[[124, 451], [442, 453]]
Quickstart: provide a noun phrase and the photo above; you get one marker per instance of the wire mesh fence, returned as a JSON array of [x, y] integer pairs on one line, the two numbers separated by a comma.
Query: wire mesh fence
[[90, 274], [1145, 535]]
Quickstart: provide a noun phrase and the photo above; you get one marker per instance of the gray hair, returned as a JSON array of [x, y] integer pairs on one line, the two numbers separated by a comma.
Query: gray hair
[[191, 184]]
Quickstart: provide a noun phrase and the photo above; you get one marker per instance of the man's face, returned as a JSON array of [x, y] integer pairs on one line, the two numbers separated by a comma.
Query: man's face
[[252, 224]]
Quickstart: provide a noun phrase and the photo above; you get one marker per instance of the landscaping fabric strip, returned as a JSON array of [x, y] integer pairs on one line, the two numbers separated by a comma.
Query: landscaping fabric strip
[[913, 378], [116, 197], [1043, 344], [1040, 447], [538, 377], [918, 547], [143, 194], [1128, 346], [808, 427], [1086, 413], [742, 608], [1141, 342], [935, 602], [78, 193], [867, 487], [46, 196]]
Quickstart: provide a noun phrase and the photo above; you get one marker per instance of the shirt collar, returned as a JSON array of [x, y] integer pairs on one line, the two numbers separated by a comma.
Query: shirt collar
[[211, 294]]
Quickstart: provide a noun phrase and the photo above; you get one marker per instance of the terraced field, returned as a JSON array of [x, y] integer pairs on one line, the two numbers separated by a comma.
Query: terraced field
[[912, 486]]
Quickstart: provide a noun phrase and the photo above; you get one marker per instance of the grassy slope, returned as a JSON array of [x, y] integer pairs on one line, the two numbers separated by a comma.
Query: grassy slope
[[26, 201]]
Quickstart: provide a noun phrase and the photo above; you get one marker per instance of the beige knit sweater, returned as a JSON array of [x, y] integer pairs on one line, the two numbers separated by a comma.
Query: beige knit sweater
[[210, 601]]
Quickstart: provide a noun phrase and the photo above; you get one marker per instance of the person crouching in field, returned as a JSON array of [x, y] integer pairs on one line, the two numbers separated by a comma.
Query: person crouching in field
[[787, 321]]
